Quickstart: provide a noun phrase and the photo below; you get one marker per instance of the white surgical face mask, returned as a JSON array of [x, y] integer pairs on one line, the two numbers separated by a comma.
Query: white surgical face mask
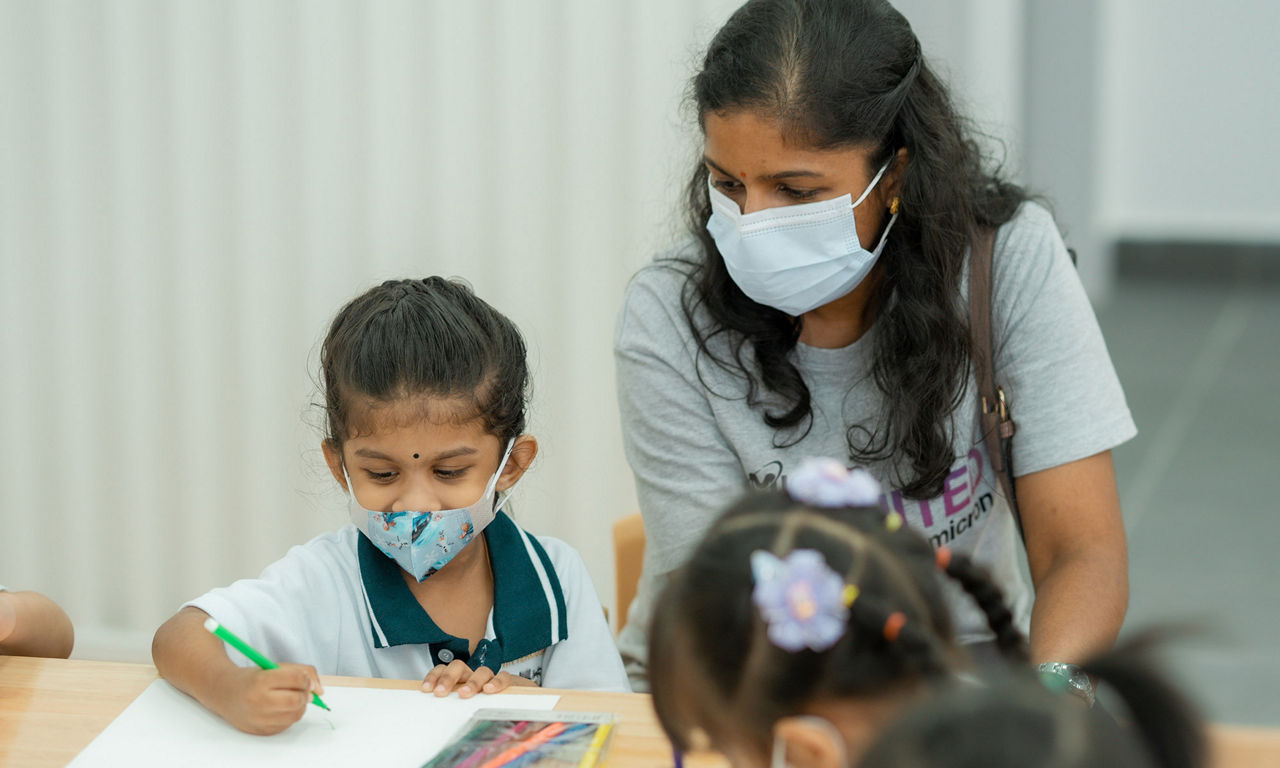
[[424, 542], [797, 257]]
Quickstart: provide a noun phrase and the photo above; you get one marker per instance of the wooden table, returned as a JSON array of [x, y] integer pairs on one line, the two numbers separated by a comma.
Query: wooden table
[[50, 709]]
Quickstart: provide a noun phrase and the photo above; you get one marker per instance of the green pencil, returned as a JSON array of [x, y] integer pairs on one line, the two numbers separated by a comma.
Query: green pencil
[[229, 638]]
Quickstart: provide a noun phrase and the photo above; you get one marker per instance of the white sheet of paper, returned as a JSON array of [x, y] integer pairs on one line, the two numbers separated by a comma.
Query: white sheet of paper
[[368, 726]]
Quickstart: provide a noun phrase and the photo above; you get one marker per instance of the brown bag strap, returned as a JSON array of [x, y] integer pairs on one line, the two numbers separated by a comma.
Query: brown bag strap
[[997, 419]]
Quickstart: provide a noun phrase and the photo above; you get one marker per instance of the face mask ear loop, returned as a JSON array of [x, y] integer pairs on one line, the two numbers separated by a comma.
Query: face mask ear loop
[[351, 489], [833, 733], [885, 235], [499, 501], [779, 758], [873, 183]]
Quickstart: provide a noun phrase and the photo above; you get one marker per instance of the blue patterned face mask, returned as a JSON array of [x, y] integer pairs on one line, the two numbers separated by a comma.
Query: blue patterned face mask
[[424, 542]]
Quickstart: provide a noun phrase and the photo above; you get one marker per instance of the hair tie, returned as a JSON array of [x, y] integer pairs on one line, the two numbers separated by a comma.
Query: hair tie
[[943, 558], [804, 603], [893, 625], [826, 483], [913, 71]]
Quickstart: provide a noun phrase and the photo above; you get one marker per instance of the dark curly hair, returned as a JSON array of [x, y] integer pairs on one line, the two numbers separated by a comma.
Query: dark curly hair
[[844, 73]]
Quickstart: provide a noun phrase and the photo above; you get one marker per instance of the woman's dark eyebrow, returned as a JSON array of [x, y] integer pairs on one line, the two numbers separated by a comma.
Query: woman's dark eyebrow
[[716, 166], [771, 177], [792, 175]]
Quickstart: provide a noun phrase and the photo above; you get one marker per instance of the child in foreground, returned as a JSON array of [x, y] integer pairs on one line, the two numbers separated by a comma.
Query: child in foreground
[[805, 621], [33, 625], [1020, 723], [425, 388]]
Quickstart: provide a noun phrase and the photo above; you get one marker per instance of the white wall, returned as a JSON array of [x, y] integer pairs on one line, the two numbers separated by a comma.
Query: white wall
[[189, 190], [1024, 74], [978, 47], [1190, 110], [1139, 119]]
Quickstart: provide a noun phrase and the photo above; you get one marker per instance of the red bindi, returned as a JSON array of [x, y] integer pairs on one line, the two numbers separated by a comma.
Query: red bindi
[[742, 174]]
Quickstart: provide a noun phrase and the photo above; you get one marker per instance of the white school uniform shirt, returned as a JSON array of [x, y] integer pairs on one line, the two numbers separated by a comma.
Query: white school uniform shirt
[[340, 605]]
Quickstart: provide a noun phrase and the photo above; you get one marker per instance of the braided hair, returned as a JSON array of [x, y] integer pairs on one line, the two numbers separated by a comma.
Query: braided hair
[[714, 670], [974, 579], [1017, 723]]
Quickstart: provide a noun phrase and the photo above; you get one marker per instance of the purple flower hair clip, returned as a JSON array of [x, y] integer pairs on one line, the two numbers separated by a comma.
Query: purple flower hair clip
[[804, 603], [827, 483]]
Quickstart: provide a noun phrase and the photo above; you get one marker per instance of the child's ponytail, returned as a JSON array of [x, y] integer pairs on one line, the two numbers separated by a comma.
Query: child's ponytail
[[1163, 719], [1016, 722]]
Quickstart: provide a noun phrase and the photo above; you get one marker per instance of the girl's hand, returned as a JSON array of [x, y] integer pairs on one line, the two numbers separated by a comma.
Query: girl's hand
[[266, 701], [443, 679]]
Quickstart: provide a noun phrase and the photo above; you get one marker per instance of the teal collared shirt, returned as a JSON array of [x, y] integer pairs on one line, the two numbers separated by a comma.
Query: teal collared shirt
[[529, 612]]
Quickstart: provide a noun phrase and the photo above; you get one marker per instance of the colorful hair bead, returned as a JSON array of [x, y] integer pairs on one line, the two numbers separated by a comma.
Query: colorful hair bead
[[943, 557], [893, 625]]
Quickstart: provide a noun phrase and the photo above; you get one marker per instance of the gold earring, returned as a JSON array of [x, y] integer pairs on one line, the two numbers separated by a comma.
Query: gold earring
[[894, 205]]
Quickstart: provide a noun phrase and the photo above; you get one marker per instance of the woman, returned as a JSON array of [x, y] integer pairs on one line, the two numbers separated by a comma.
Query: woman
[[819, 308]]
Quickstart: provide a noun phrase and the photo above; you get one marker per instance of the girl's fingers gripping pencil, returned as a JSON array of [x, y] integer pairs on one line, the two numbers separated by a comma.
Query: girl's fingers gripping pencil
[[228, 637]]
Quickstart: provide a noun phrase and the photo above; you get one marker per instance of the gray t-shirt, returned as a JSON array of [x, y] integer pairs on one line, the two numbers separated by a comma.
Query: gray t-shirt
[[695, 445]]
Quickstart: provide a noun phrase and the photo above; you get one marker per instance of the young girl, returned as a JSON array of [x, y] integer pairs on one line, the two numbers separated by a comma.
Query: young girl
[[804, 621], [425, 388], [1020, 723]]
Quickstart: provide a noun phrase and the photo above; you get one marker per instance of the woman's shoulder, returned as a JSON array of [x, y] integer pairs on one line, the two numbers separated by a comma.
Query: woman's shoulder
[[1029, 251], [654, 302], [667, 273], [1031, 225]]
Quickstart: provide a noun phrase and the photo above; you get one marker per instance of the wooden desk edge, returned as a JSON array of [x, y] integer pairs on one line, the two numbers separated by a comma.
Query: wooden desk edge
[[77, 700]]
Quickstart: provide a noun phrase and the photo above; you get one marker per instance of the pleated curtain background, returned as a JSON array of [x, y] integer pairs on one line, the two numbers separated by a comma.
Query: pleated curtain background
[[189, 190]]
